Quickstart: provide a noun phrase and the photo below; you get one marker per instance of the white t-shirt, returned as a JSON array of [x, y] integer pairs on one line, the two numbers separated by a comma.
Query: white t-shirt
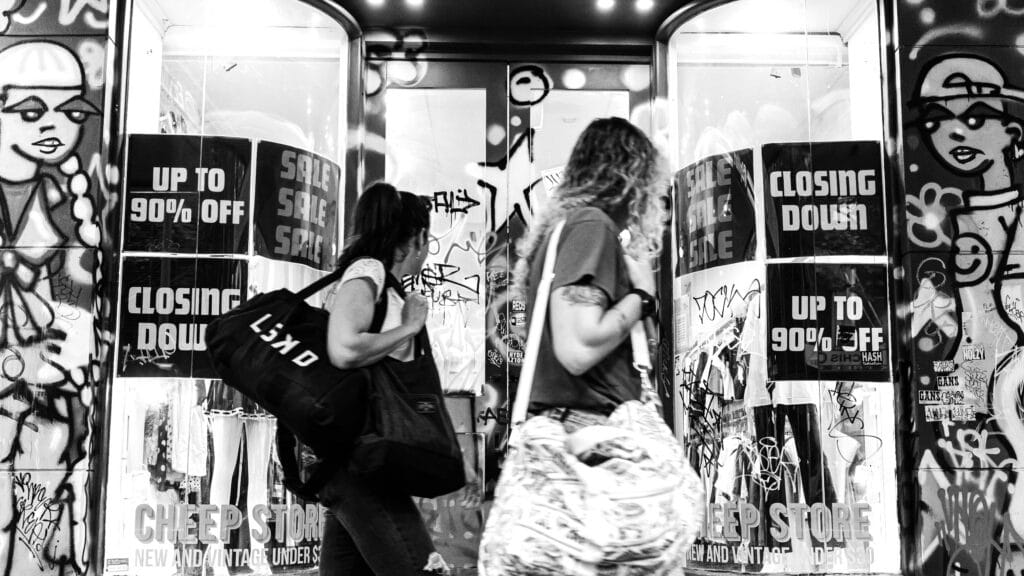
[[373, 270]]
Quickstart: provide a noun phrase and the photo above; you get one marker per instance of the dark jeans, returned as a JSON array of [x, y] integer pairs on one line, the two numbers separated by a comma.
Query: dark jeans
[[369, 532]]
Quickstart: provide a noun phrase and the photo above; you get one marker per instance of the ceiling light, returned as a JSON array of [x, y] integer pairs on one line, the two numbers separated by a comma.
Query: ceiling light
[[644, 5], [375, 3], [605, 5], [414, 3]]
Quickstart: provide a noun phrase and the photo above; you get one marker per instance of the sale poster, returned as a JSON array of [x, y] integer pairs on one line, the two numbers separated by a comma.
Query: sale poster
[[715, 219], [786, 465], [823, 198], [296, 206], [187, 194], [828, 321], [166, 304]]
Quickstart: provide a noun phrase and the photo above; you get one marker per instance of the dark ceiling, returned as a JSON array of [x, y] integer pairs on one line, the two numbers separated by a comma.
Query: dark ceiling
[[516, 24]]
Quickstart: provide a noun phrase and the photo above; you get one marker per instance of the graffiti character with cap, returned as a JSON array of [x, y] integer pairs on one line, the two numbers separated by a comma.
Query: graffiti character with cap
[[972, 123], [47, 258]]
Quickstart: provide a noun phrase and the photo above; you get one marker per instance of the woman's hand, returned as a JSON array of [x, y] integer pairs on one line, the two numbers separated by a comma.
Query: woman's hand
[[414, 313], [641, 275]]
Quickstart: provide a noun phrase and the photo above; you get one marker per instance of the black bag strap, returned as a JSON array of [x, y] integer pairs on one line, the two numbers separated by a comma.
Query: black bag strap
[[335, 276], [422, 340], [381, 308], [321, 283]]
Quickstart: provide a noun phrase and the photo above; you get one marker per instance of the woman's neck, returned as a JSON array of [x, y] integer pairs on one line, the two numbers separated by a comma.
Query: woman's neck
[[398, 269], [997, 178]]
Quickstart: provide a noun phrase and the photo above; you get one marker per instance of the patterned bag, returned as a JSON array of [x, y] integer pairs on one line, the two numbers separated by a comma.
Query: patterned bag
[[632, 505]]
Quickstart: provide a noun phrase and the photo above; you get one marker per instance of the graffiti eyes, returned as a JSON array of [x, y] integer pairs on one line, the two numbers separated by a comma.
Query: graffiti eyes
[[76, 116], [31, 115], [974, 122]]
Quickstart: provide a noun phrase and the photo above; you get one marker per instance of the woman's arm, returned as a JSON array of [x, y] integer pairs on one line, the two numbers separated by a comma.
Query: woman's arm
[[585, 328], [349, 344]]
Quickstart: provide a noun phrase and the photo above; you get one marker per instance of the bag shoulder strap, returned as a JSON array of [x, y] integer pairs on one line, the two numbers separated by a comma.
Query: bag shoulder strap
[[380, 312], [642, 363], [321, 283], [421, 341], [331, 279], [637, 336], [537, 321]]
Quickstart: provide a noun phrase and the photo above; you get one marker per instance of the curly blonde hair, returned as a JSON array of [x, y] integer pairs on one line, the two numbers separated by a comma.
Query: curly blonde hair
[[616, 168]]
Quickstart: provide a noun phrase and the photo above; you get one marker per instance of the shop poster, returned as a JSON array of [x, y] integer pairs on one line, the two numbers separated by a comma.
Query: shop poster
[[788, 467], [828, 321], [187, 194], [823, 199], [195, 487], [782, 378], [715, 222], [166, 304], [296, 206]]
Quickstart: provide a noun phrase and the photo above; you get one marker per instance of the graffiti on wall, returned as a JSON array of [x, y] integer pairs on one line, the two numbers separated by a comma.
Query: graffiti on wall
[[54, 201], [56, 16], [964, 152]]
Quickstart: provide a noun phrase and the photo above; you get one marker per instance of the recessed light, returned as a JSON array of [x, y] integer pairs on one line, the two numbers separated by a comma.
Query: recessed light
[[414, 3], [375, 3], [644, 5], [605, 5]]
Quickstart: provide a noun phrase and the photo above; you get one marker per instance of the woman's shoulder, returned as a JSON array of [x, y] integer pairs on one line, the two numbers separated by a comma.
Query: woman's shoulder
[[369, 268], [590, 217], [365, 266]]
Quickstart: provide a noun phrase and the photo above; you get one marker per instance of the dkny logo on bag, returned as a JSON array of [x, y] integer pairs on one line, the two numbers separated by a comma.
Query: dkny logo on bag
[[285, 344]]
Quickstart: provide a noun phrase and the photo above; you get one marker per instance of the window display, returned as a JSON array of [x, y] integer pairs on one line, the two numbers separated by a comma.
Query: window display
[[233, 189], [782, 364]]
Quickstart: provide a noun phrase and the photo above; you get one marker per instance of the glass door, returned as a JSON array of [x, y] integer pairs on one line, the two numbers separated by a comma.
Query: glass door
[[432, 128], [484, 142]]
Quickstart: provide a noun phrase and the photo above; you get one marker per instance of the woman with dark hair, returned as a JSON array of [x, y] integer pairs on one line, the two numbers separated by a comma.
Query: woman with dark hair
[[370, 531], [614, 182]]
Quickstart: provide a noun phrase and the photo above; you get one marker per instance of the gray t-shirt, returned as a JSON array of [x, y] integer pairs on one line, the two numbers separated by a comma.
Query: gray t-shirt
[[588, 253]]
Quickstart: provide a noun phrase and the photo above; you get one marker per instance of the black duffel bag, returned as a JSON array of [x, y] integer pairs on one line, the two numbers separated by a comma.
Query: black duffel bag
[[387, 422], [273, 349]]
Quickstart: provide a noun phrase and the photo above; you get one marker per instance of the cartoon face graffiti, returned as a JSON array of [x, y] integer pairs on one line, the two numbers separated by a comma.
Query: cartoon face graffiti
[[969, 136], [46, 298], [42, 107], [964, 117], [53, 115], [968, 120]]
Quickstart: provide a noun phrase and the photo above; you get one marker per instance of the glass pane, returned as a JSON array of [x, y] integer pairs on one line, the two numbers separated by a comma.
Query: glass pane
[[435, 137], [781, 300], [557, 121], [236, 114], [279, 74]]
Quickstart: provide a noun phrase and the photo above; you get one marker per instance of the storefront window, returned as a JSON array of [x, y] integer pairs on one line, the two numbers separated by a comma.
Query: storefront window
[[237, 124], [782, 362]]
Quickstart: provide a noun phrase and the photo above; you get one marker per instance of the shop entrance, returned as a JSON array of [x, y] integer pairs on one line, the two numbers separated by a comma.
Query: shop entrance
[[485, 142]]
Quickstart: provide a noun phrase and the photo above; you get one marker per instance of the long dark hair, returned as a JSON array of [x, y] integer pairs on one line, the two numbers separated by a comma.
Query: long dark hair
[[385, 219]]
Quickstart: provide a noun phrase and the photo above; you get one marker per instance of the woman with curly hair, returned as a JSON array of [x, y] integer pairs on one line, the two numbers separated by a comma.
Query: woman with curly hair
[[615, 182]]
